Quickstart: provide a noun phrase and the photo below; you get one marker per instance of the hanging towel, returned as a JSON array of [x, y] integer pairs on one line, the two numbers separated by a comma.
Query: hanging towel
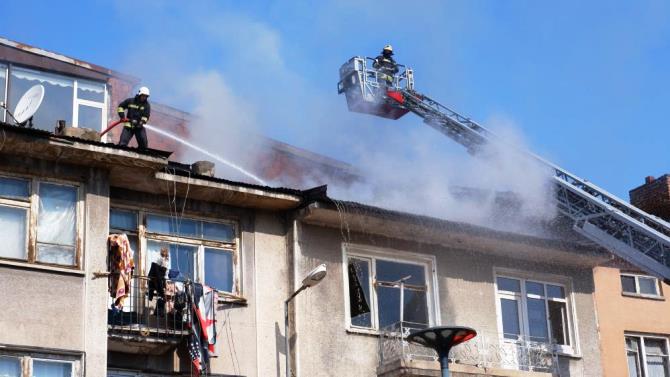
[[121, 264]]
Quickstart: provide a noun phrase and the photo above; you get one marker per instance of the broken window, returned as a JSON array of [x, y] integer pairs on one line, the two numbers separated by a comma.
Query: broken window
[[534, 311], [641, 285], [376, 285], [54, 214], [200, 250]]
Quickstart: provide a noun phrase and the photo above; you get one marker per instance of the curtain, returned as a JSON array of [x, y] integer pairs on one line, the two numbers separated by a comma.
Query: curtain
[[42, 77], [13, 232], [56, 224]]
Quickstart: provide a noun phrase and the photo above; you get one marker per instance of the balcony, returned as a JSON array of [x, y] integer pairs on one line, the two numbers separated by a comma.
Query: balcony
[[485, 355], [146, 326]]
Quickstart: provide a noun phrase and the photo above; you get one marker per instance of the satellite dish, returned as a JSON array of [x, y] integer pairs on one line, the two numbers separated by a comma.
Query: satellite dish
[[29, 103]]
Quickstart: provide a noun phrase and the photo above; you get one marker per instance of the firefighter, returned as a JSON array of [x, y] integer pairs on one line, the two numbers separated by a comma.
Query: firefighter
[[137, 111], [386, 66]]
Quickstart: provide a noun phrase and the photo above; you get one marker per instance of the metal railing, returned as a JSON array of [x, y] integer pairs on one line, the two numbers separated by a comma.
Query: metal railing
[[163, 318], [486, 350]]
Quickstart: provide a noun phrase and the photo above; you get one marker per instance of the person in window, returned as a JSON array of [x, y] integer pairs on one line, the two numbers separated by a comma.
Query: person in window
[[137, 111], [386, 66]]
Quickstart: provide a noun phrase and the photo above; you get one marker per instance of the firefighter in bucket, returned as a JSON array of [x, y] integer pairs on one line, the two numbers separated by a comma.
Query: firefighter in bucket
[[386, 66]]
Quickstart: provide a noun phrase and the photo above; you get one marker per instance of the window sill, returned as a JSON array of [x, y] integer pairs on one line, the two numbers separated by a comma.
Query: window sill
[[41, 267], [648, 297], [367, 332], [575, 356]]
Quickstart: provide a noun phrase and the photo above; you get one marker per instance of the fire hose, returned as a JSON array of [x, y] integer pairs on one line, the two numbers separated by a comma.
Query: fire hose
[[112, 125]]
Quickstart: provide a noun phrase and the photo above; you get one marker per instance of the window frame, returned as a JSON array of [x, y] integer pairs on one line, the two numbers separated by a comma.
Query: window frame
[[27, 357], [370, 253], [638, 293], [4, 90], [76, 101], [143, 236], [32, 206], [572, 348], [643, 350]]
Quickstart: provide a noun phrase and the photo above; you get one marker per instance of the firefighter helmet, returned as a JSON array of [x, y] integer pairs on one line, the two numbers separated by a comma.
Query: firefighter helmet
[[388, 48], [143, 91]]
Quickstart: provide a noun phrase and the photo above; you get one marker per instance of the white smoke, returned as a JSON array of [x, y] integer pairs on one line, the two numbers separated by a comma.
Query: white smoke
[[405, 165]]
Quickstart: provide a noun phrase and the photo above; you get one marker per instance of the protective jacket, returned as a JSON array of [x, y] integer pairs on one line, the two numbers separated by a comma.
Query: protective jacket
[[385, 64], [137, 112]]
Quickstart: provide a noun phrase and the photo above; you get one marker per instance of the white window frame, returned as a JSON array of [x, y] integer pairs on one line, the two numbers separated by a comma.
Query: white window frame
[[144, 235], [32, 205], [26, 360], [522, 301], [5, 89], [373, 253], [643, 350], [637, 292], [98, 105]]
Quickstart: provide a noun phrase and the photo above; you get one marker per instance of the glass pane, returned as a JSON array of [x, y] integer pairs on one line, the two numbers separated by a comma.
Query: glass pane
[[558, 318], [55, 254], [171, 225], [657, 366], [123, 220], [393, 271], [359, 292], [219, 269], [507, 284], [90, 90], [555, 291], [416, 307], [58, 96], [510, 318], [181, 261], [533, 288], [628, 284], [647, 285], [655, 346], [389, 306], [89, 117], [14, 188], [218, 232], [51, 369], [13, 232], [10, 366], [632, 344], [57, 219], [537, 320]]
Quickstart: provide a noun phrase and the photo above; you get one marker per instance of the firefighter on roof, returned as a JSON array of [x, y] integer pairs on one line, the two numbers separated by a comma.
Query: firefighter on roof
[[386, 66], [136, 110]]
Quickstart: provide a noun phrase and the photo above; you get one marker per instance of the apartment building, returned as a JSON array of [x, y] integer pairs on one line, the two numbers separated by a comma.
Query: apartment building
[[531, 299]]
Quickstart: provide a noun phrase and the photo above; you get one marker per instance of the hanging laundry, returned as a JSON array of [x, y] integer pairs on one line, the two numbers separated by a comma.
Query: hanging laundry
[[121, 265]]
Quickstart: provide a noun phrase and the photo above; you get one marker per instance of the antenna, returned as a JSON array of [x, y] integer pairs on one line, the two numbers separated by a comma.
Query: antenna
[[27, 105]]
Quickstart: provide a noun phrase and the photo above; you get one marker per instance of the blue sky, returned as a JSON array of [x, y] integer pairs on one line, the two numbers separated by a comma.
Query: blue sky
[[585, 83]]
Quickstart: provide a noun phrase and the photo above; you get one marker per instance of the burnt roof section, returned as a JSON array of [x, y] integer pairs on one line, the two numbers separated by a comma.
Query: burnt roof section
[[49, 135]]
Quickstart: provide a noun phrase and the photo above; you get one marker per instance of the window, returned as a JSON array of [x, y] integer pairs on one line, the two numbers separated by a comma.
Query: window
[[52, 207], [376, 281], [641, 285], [42, 365], [535, 311], [647, 356], [81, 103], [3, 89], [200, 250]]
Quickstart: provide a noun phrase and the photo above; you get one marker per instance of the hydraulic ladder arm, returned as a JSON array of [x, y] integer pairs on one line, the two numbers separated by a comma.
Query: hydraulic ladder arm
[[637, 237]]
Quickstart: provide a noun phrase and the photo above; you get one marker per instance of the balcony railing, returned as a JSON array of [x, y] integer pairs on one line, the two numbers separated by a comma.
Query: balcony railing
[[487, 350], [162, 319]]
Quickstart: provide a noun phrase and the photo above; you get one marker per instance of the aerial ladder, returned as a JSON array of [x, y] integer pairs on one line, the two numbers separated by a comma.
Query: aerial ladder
[[637, 237]]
